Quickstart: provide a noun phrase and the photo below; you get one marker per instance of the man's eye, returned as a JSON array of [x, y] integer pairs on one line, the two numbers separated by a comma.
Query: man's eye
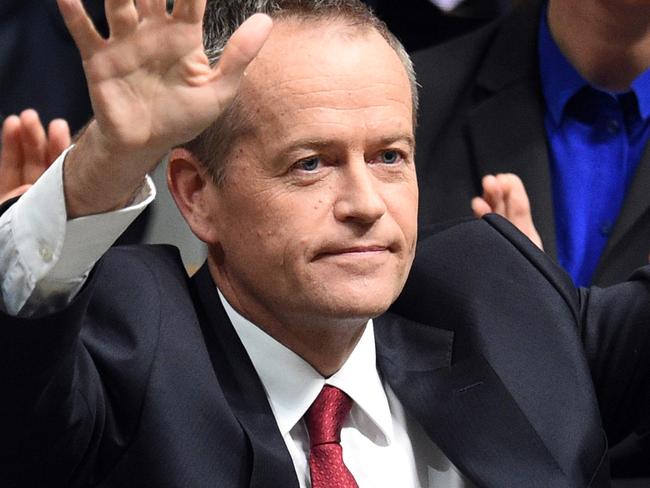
[[309, 164], [390, 157]]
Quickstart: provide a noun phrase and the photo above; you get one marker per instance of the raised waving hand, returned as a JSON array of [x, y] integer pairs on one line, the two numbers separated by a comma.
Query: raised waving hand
[[151, 88]]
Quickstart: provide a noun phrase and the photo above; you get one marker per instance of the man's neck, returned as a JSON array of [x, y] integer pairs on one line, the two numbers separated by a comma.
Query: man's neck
[[324, 342], [325, 347], [608, 42]]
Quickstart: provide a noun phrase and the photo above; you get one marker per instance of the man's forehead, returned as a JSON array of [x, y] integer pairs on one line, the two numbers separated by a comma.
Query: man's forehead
[[314, 82], [317, 65], [321, 50]]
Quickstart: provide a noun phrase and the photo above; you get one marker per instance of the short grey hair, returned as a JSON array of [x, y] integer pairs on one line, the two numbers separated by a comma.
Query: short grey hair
[[221, 20]]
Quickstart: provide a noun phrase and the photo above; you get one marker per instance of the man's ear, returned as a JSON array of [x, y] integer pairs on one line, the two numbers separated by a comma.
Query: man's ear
[[195, 194]]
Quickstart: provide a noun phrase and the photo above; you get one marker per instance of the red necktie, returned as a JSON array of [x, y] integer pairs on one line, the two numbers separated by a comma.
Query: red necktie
[[324, 421]]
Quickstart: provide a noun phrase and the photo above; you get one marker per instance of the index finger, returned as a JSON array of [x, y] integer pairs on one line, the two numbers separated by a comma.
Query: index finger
[[493, 194], [515, 194]]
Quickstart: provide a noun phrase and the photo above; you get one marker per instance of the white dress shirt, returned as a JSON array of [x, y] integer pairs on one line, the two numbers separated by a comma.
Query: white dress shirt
[[382, 446], [45, 259]]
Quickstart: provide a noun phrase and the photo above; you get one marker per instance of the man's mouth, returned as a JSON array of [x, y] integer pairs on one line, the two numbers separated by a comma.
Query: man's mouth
[[362, 250]]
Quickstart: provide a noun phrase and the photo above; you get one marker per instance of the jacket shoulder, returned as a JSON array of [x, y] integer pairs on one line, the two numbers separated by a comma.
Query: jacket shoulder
[[469, 260]]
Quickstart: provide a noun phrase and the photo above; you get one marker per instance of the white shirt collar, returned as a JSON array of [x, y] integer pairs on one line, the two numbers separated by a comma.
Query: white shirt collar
[[446, 5], [292, 385]]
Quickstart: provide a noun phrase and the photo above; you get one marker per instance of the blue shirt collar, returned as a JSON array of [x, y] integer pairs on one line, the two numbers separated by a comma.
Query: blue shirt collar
[[641, 86], [560, 80]]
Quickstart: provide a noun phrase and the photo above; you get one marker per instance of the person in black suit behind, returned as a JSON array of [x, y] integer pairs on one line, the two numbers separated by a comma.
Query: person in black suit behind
[[490, 105], [419, 24], [484, 112], [293, 160]]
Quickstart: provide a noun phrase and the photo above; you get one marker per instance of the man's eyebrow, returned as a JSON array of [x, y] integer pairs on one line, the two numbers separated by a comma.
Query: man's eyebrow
[[316, 144], [407, 139], [308, 143]]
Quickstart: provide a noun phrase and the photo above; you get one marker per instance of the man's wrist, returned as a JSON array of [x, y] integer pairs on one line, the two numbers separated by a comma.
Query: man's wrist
[[100, 178]]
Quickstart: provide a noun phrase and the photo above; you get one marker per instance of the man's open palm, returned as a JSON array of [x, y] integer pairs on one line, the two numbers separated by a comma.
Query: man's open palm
[[150, 81], [151, 88]]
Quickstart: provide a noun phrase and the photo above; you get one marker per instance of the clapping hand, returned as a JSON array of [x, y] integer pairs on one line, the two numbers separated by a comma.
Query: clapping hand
[[28, 150], [506, 195]]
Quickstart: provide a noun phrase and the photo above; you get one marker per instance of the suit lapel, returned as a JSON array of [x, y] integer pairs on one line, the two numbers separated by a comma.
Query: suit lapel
[[507, 102], [463, 406], [271, 461]]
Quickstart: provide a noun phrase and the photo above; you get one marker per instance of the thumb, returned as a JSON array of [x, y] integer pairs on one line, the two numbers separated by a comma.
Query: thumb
[[243, 46], [16, 192]]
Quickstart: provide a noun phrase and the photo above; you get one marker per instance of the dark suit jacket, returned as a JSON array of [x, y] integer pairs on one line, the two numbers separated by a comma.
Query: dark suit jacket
[[482, 111], [419, 23], [142, 381], [40, 66]]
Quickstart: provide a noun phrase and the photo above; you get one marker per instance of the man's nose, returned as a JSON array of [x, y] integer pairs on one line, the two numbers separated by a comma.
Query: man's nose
[[359, 199]]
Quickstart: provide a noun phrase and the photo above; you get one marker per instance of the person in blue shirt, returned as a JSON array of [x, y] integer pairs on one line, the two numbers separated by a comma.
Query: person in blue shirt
[[557, 93]]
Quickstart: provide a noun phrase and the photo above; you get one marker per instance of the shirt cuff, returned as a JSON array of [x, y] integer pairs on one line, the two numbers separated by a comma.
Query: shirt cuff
[[46, 257]]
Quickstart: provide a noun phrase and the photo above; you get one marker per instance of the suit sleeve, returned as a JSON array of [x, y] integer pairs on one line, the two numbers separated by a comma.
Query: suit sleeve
[[45, 258], [67, 412], [502, 296], [74, 381], [614, 327], [45, 417]]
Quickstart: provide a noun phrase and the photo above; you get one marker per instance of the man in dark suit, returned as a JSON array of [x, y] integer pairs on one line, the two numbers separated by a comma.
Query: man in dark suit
[[131, 374], [545, 94], [487, 109]]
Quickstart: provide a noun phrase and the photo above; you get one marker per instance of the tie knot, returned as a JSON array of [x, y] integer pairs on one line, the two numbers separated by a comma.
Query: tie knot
[[326, 415]]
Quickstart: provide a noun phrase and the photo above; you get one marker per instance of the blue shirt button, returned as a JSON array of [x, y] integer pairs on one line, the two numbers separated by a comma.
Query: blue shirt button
[[613, 126], [606, 228]]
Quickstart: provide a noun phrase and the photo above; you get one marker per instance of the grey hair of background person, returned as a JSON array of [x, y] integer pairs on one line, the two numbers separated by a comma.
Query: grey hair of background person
[[223, 17]]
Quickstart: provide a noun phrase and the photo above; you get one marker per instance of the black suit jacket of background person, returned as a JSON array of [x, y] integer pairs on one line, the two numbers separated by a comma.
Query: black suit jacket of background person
[[40, 66], [482, 112], [142, 381], [419, 23]]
